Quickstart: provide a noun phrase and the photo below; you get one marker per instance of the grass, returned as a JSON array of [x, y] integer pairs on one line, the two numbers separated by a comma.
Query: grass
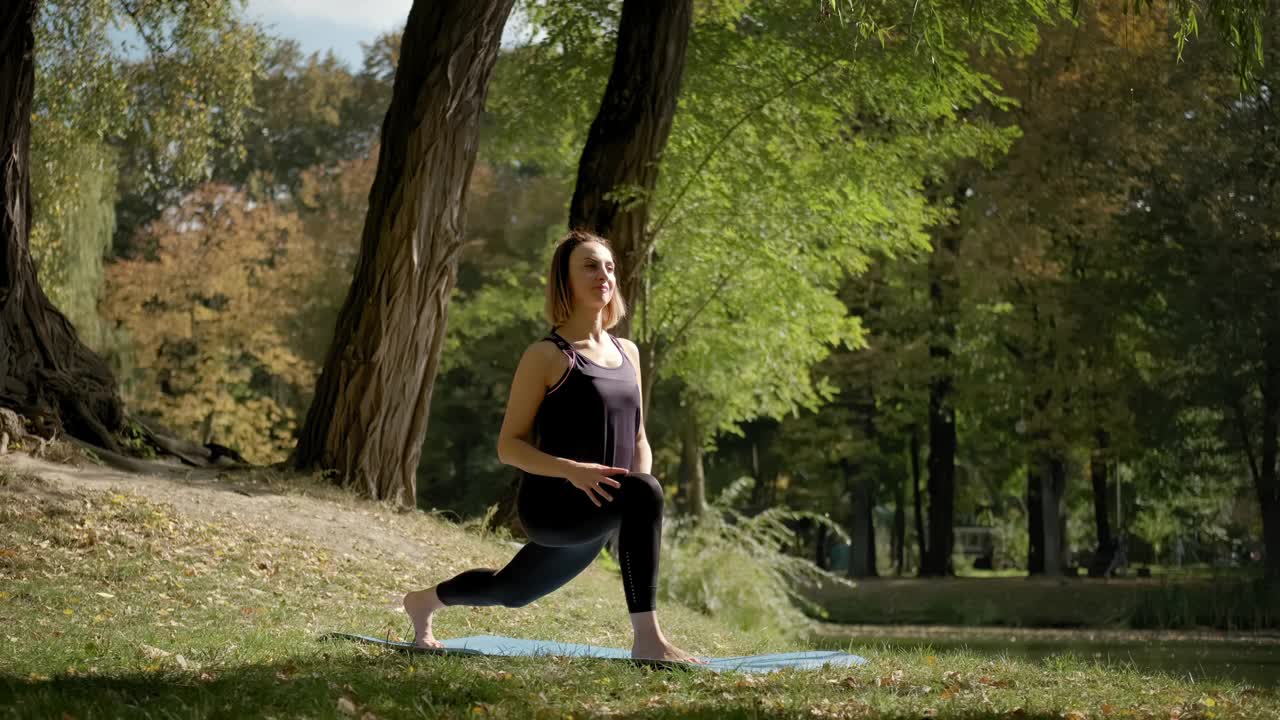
[[112, 605], [1226, 603]]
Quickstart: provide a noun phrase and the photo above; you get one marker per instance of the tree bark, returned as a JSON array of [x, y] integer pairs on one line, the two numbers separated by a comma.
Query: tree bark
[[369, 416], [1052, 489], [862, 555], [629, 134], [692, 474], [1035, 517], [942, 417], [820, 549], [46, 373], [1266, 481], [922, 539], [1101, 505], [899, 526]]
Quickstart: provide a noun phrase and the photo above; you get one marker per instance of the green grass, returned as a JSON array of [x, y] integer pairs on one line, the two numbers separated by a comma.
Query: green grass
[[114, 606], [1226, 603]]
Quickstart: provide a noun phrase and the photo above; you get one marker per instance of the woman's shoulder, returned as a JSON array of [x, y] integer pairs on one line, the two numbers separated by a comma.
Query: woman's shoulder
[[628, 347], [543, 350], [548, 358]]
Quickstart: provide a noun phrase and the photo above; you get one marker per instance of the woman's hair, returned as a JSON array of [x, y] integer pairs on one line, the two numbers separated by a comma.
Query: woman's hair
[[560, 295]]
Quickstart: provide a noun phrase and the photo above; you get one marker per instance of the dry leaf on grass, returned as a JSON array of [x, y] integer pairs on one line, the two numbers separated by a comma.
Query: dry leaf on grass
[[154, 653]]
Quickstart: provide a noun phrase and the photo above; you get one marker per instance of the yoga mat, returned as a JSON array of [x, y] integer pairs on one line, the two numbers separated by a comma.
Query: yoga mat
[[509, 647]]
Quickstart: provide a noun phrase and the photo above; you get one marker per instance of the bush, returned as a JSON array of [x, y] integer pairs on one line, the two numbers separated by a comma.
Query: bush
[[1225, 603], [735, 567]]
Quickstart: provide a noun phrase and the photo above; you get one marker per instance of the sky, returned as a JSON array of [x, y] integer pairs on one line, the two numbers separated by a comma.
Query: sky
[[339, 25]]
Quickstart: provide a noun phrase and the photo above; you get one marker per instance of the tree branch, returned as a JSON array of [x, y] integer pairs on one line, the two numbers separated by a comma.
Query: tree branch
[[657, 226]]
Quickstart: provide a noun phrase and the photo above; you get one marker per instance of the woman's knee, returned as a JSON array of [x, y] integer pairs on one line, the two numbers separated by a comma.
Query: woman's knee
[[644, 489]]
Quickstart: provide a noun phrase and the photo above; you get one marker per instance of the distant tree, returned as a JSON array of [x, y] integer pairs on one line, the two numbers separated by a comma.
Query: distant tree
[[205, 323], [48, 373], [1206, 218]]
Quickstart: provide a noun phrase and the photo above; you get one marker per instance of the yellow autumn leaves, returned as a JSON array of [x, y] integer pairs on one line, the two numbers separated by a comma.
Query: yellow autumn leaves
[[206, 312]]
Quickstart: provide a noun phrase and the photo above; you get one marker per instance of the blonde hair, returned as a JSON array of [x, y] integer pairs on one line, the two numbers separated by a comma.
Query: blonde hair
[[559, 303]]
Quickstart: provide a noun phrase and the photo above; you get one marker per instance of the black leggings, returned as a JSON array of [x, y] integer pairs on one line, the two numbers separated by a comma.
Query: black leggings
[[567, 532]]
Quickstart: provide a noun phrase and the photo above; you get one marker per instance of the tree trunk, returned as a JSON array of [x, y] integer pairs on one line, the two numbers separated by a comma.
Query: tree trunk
[[1035, 517], [862, 555], [758, 490], [820, 551], [1052, 487], [692, 475], [1101, 508], [922, 539], [629, 134], [1266, 481], [46, 373], [899, 526], [369, 416], [942, 417]]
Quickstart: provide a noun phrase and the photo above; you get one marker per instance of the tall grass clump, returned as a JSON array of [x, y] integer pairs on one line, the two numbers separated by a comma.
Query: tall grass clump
[[1225, 603], [735, 568]]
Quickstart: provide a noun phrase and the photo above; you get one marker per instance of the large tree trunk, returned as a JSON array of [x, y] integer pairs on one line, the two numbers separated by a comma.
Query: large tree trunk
[[1266, 480], [899, 551], [693, 478], [922, 538], [1035, 517], [1051, 494], [627, 137], [764, 467], [46, 373], [942, 416], [862, 554], [369, 416], [1098, 476]]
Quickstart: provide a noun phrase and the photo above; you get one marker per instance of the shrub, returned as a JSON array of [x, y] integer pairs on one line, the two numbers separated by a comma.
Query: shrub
[[735, 567]]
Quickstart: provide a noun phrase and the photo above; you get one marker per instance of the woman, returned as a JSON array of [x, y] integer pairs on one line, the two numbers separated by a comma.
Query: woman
[[586, 471]]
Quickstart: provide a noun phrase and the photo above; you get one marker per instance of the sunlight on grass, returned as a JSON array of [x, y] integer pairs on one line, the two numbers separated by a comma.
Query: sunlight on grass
[[111, 602]]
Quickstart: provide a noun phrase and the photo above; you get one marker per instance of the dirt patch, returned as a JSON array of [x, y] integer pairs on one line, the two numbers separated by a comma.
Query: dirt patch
[[356, 528]]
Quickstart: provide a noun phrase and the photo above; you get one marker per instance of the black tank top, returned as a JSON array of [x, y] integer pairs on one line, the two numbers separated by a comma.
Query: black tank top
[[592, 413]]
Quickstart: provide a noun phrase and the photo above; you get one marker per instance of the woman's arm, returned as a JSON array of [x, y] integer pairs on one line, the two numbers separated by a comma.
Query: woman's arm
[[643, 462], [528, 387]]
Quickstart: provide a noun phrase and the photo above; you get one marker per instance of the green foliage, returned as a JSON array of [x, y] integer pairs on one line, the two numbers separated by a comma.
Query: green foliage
[[134, 437], [736, 568], [182, 104], [73, 232], [796, 154], [308, 112], [190, 100], [1240, 22]]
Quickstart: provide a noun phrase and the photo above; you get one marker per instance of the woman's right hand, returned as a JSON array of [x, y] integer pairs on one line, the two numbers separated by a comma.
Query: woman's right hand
[[589, 477]]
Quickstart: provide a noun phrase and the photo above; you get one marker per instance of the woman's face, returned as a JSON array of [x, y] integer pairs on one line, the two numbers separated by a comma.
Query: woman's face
[[591, 275]]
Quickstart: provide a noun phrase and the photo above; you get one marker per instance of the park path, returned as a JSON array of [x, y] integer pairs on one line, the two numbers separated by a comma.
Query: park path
[[346, 527]]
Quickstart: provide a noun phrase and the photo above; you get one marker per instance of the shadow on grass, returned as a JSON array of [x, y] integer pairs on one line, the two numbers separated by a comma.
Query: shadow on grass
[[392, 686]]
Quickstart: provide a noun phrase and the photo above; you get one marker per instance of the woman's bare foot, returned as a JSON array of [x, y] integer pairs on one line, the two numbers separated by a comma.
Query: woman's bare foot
[[421, 605], [660, 649]]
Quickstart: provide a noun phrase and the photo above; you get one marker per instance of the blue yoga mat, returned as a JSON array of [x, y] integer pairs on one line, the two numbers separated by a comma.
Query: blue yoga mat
[[508, 647]]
